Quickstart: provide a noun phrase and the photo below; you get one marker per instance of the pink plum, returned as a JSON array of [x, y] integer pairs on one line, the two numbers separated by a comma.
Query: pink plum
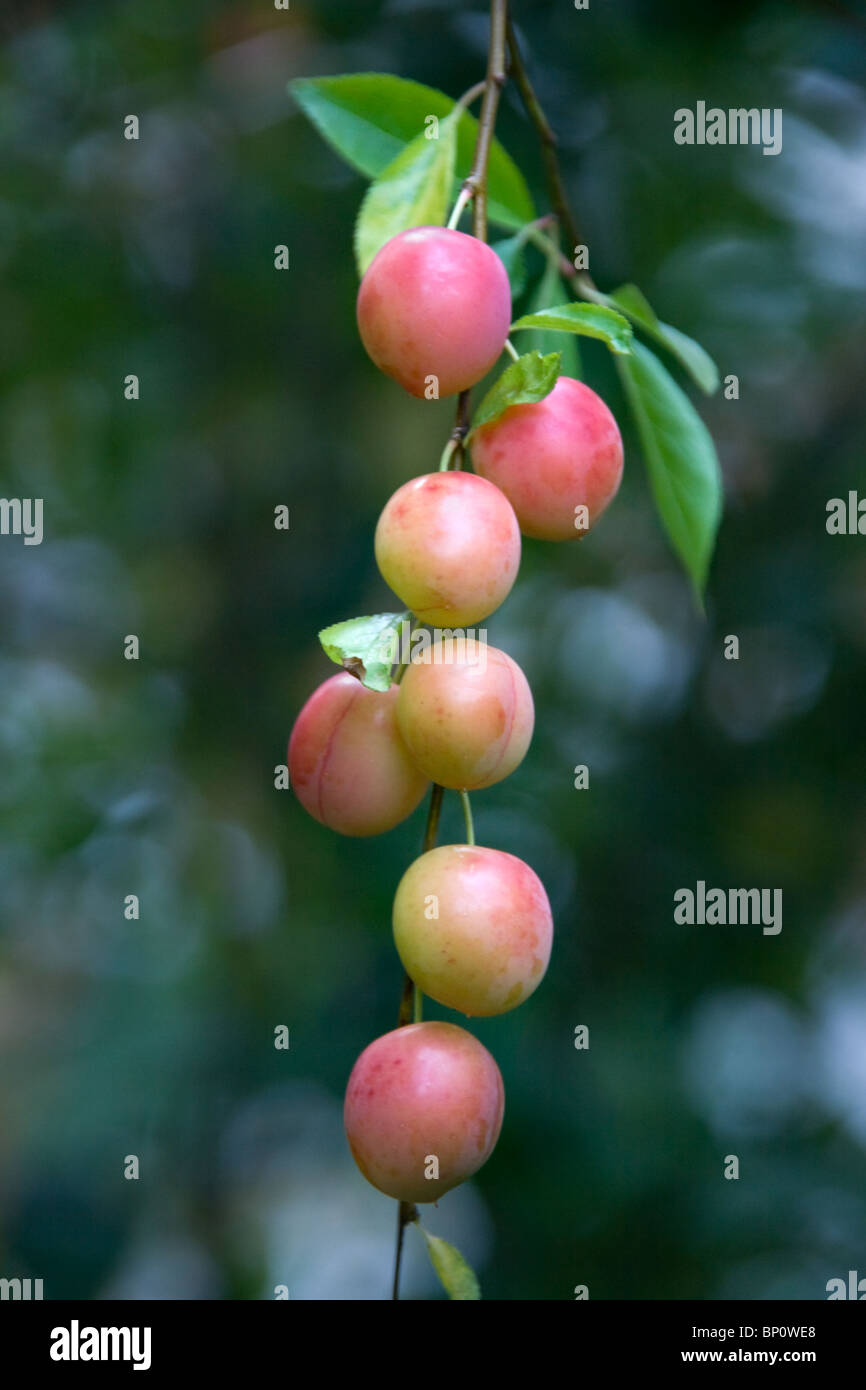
[[423, 1110], [466, 714], [434, 303], [551, 457], [348, 764], [473, 928], [449, 546]]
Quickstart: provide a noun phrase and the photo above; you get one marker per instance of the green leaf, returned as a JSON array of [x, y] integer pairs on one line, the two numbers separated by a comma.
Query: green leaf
[[369, 117], [550, 289], [365, 646], [690, 354], [413, 191], [457, 1277], [681, 459], [592, 320], [529, 379], [510, 252]]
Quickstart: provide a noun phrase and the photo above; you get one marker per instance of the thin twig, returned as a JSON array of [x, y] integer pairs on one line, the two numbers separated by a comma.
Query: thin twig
[[460, 430], [476, 180], [405, 1014], [409, 1007], [547, 138], [582, 280], [406, 1214], [432, 827]]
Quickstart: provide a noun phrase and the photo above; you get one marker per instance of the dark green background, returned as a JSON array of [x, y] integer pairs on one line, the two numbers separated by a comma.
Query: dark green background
[[155, 1037]]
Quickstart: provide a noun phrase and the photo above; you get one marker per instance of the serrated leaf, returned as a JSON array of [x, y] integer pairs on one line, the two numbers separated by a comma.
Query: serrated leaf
[[690, 354], [456, 1276], [550, 289], [365, 646], [413, 191], [511, 253], [369, 117], [591, 320], [681, 459], [529, 379]]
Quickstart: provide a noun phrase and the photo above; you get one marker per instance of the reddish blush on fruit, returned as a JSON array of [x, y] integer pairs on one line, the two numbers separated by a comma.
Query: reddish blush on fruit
[[423, 1110], [348, 764], [465, 713], [448, 544], [473, 928], [434, 310], [559, 460]]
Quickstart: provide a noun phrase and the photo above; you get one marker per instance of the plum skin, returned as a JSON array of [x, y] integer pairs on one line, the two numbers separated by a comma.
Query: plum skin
[[448, 544], [551, 456], [466, 724], [489, 944], [424, 1089], [434, 302], [348, 764]]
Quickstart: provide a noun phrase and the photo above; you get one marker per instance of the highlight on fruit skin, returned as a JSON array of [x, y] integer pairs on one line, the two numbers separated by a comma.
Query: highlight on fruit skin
[[473, 928], [348, 764], [434, 306], [423, 1110], [552, 457], [448, 544], [466, 714]]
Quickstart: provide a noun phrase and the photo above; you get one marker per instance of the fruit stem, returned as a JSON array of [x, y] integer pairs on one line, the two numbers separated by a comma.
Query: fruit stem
[[467, 816], [463, 198], [445, 460], [469, 96], [511, 350]]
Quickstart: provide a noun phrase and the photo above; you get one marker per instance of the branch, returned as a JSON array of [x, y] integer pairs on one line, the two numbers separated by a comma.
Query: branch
[[475, 183], [556, 187], [474, 187], [406, 1214]]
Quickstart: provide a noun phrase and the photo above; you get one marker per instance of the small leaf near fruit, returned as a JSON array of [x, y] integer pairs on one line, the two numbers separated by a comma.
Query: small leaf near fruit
[[365, 646], [529, 379], [456, 1276]]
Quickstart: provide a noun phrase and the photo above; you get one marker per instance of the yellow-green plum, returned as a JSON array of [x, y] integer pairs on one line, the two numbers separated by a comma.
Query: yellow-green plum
[[465, 713], [348, 764], [559, 460], [449, 546], [473, 928], [423, 1110], [434, 309]]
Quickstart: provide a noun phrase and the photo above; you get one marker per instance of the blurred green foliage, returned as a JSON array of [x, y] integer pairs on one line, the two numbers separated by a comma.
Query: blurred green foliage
[[155, 1037]]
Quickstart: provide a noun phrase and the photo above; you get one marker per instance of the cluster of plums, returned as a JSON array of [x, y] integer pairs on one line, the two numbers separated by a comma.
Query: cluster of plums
[[472, 925]]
